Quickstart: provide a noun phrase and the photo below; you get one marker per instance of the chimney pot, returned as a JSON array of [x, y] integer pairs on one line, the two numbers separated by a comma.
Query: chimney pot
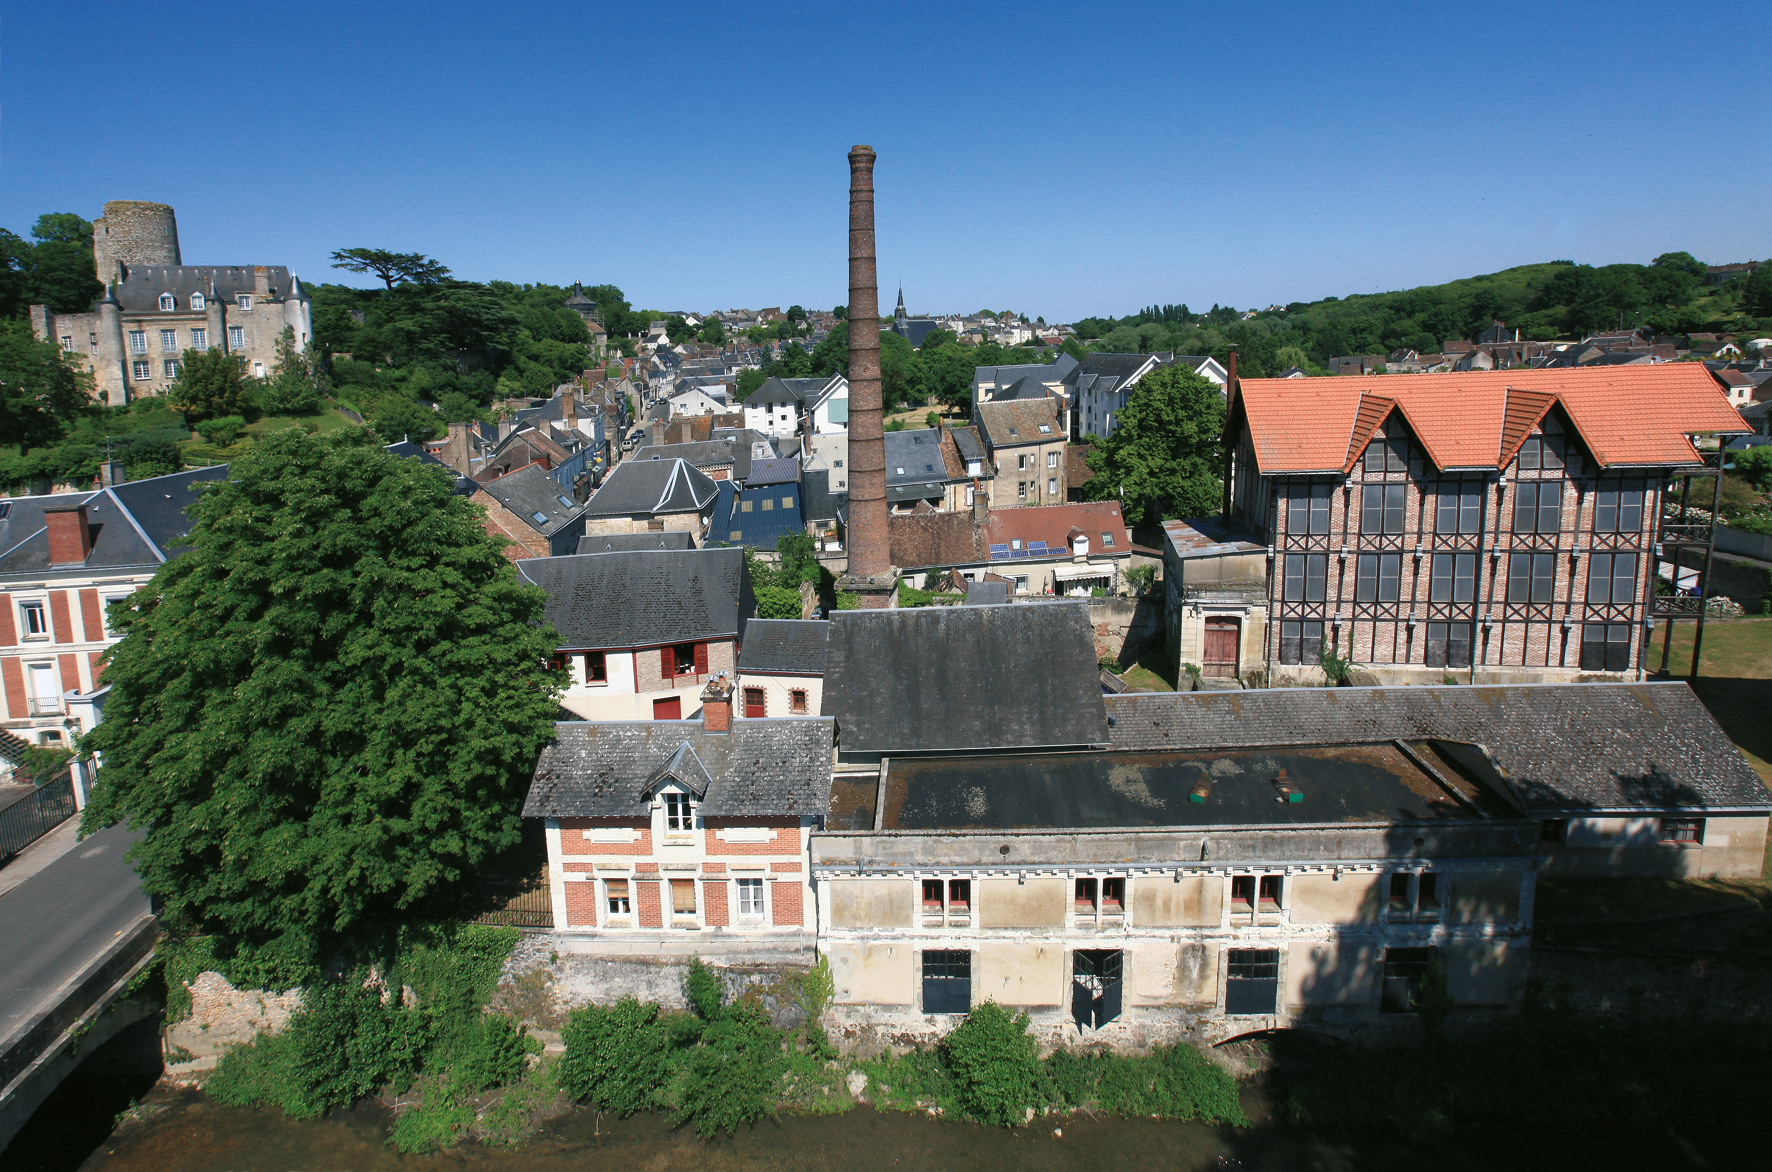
[[716, 705], [70, 534]]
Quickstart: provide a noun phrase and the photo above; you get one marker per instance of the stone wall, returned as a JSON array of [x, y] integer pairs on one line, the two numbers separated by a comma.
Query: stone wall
[[223, 1016]]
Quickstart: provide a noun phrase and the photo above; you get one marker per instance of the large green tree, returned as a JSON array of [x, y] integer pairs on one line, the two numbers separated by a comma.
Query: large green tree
[[325, 714], [210, 383], [41, 392], [1166, 450], [391, 267]]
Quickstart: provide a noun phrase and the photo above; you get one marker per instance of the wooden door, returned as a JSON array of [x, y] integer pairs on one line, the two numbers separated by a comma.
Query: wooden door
[[1220, 656]]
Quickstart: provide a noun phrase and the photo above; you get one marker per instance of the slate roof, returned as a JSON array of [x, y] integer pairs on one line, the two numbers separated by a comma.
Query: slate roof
[[536, 498], [641, 487], [790, 646], [135, 524], [774, 390], [776, 471], [620, 542], [643, 598], [1116, 366], [817, 501], [987, 593], [758, 527], [970, 446], [1562, 746], [1625, 415], [141, 286], [964, 677], [711, 453], [1017, 421], [602, 769], [464, 485]]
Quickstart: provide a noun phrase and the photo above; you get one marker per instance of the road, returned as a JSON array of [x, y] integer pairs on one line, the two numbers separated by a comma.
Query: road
[[57, 922]]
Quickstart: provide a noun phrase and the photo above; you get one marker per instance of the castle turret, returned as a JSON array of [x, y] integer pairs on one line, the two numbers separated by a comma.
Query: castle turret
[[110, 366], [298, 313], [134, 232]]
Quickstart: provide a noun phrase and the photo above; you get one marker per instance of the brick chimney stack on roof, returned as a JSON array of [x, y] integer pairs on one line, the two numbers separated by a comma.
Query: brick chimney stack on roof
[[716, 705], [869, 551], [70, 534]]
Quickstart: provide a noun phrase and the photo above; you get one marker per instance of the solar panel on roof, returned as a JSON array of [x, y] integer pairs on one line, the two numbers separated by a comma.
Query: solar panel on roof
[[1018, 553], [1036, 545], [1000, 551]]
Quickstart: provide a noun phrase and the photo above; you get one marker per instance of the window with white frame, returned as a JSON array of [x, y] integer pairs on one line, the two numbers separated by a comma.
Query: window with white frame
[[33, 621], [68, 343], [199, 339], [138, 341], [168, 302], [615, 892], [258, 370], [169, 341], [143, 371], [236, 337], [679, 813], [750, 899], [1051, 459], [197, 301], [1052, 486], [244, 301], [172, 367]]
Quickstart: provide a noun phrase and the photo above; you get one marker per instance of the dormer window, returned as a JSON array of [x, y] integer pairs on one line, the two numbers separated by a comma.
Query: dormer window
[[168, 302], [1045, 429], [243, 300], [197, 301]]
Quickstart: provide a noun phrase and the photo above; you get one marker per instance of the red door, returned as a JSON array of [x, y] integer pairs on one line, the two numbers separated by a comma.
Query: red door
[[668, 709], [1220, 658]]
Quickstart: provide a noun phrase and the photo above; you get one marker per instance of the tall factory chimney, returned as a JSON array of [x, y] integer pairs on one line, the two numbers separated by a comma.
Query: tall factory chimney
[[870, 575]]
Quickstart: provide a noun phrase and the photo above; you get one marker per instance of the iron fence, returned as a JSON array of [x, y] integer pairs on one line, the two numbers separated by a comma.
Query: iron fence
[[515, 904], [35, 814]]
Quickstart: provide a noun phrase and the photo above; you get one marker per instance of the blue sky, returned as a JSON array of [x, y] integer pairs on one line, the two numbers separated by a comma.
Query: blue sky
[[1060, 160]]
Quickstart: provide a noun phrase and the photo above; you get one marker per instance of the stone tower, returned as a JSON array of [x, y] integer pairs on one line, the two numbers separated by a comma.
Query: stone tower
[[134, 232], [870, 572]]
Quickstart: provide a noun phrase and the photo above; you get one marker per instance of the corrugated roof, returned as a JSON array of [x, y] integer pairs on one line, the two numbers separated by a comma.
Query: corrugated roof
[[1626, 415]]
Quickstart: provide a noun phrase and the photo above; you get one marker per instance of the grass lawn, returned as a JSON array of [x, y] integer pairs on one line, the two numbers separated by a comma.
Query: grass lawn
[[325, 419], [1151, 672]]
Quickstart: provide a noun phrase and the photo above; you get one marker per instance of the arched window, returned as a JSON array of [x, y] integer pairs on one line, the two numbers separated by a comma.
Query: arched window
[[168, 302], [196, 301]]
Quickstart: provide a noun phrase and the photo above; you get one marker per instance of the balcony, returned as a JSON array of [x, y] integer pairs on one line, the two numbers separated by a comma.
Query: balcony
[[1685, 533], [51, 706]]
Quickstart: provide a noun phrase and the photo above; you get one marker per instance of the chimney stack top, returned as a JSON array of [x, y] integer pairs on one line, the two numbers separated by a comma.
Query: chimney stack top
[[716, 705]]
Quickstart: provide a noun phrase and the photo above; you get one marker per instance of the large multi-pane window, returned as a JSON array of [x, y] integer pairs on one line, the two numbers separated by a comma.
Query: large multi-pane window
[[1382, 507], [1305, 576], [169, 340], [1459, 508], [1618, 510], [1377, 577], [1605, 647], [1387, 455], [1448, 645], [1612, 578], [1454, 578], [1538, 506], [1307, 509], [236, 337], [750, 898], [138, 341], [1301, 642], [1541, 452], [1531, 577]]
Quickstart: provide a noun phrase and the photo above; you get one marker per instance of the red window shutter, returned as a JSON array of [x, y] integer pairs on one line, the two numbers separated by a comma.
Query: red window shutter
[[667, 668], [701, 659]]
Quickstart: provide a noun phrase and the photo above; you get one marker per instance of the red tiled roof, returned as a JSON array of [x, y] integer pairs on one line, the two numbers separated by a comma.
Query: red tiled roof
[[1053, 523], [1626, 415]]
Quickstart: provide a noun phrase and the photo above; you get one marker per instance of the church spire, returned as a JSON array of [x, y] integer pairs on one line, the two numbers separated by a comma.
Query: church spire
[[899, 312]]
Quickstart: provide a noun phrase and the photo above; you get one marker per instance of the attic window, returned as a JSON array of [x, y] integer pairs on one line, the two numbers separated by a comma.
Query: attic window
[[539, 518], [901, 472], [1107, 540], [1012, 432], [565, 500], [168, 302], [1045, 429], [196, 301], [1015, 543]]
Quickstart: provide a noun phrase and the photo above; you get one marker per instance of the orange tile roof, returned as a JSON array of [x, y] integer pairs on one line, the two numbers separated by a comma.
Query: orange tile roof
[[1627, 415]]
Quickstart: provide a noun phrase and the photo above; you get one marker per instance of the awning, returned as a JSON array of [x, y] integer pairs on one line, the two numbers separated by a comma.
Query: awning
[[1072, 573]]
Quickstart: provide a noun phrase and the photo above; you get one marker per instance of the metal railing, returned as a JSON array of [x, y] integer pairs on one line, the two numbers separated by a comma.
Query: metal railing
[[520, 904], [36, 814], [1685, 533], [39, 706]]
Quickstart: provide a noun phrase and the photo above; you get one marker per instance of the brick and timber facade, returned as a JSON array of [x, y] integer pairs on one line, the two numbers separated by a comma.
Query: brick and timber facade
[[1487, 526]]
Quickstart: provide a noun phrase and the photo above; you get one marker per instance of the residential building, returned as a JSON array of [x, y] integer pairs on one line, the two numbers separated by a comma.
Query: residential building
[[1026, 440], [155, 308], [781, 668], [1053, 550], [531, 513], [64, 558], [785, 406], [683, 834], [1214, 598], [642, 631], [622, 542], [644, 495], [758, 511], [924, 467], [1494, 524]]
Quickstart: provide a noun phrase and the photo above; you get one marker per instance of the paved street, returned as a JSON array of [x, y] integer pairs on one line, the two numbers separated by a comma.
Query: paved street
[[56, 922]]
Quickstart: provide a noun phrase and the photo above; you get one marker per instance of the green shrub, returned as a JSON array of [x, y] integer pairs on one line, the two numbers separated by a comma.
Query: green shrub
[[618, 1057], [995, 1065], [908, 1081], [1176, 1082], [777, 602], [340, 1045], [221, 430], [729, 1079], [1755, 466], [704, 990]]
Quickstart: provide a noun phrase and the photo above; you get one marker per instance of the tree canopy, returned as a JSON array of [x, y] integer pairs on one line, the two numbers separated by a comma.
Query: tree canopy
[[57, 270], [210, 383], [41, 391], [325, 714], [1166, 450], [391, 267]]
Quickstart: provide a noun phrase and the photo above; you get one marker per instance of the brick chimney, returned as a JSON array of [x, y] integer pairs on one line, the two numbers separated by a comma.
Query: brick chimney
[[716, 705], [569, 405], [70, 534], [869, 553]]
